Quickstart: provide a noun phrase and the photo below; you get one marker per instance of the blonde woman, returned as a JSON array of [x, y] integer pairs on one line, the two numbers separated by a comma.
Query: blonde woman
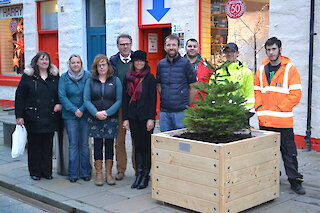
[[75, 115]]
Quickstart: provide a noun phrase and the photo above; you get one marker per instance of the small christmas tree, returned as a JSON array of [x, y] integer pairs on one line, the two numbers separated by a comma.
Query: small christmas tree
[[221, 111]]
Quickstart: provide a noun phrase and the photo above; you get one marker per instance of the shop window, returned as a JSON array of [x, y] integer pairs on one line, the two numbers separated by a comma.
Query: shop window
[[11, 44], [250, 31], [219, 30]]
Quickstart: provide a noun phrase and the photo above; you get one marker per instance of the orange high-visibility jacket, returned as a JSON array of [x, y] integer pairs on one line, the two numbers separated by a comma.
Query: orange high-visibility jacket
[[274, 103]]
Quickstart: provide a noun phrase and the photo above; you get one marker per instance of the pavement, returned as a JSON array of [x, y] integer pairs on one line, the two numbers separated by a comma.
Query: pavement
[[86, 197]]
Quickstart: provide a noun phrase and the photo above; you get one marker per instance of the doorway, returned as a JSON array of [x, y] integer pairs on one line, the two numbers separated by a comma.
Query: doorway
[[152, 42], [96, 29], [48, 29]]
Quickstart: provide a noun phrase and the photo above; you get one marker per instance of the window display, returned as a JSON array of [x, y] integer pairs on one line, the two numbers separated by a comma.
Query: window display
[[11, 41]]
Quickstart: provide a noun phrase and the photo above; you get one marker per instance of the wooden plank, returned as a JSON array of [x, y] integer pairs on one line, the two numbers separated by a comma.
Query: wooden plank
[[252, 145], [186, 160], [252, 173], [250, 187], [251, 159], [184, 201], [252, 200], [222, 174], [195, 147], [186, 174], [187, 188]]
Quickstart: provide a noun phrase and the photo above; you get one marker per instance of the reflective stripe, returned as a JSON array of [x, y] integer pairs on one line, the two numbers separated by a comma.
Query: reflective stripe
[[261, 68], [250, 100], [275, 89], [257, 88], [284, 89], [286, 76], [295, 86], [275, 114]]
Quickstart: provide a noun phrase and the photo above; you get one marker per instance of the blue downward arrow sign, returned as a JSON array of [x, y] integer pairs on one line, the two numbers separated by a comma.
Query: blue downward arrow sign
[[158, 10]]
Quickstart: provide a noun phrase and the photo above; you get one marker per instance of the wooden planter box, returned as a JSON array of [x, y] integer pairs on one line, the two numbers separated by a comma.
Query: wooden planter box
[[219, 178]]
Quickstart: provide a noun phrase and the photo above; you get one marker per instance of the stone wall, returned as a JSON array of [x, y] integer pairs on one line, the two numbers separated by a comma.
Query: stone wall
[[290, 22]]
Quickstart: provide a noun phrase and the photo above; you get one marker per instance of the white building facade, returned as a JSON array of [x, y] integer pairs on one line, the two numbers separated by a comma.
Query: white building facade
[[88, 27]]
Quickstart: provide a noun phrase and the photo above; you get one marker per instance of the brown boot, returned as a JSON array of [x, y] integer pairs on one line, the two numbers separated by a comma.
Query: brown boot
[[109, 178], [99, 177]]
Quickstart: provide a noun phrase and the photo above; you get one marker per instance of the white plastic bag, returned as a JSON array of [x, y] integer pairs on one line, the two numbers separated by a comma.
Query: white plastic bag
[[19, 140]]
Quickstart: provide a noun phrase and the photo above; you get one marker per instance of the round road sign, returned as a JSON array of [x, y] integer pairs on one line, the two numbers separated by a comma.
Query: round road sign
[[235, 8]]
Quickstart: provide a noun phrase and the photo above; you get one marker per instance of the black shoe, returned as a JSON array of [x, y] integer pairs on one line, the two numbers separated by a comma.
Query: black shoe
[[144, 181], [48, 177], [296, 186], [137, 181], [73, 180], [86, 178], [33, 177]]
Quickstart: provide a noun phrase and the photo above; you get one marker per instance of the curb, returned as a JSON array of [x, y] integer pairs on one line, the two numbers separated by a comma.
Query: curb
[[42, 195]]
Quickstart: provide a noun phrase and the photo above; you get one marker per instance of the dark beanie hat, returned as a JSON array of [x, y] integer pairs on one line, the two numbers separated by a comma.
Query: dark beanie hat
[[139, 55]]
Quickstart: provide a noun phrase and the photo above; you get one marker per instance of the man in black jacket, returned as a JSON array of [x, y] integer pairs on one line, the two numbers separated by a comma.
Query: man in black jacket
[[174, 76]]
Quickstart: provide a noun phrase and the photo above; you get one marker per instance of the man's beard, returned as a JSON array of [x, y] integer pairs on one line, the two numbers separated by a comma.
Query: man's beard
[[279, 54], [172, 55]]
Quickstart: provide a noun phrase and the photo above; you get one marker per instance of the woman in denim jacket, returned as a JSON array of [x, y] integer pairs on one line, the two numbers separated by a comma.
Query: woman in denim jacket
[[75, 115]]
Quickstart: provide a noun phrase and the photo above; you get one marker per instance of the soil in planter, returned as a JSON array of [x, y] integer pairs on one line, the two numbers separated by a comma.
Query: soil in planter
[[206, 138]]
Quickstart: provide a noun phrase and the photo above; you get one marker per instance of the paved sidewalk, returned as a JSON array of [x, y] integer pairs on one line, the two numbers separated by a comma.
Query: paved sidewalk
[[86, 197]]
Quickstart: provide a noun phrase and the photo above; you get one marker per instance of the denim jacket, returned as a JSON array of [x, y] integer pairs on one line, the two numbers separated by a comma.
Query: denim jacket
[[71, 95]]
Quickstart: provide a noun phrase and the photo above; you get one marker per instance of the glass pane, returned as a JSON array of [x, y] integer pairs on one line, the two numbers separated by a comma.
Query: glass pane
[[219, 30], [11, 46], [97, 13], [49, 15]]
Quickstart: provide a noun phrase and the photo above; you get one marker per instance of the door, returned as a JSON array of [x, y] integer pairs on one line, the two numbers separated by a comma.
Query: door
[[153, 45], [96, 29], [48, 29], [49, 42]]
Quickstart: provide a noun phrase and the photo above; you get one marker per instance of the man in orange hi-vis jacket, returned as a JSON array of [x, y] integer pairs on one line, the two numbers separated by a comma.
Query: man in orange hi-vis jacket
[[277, 88]]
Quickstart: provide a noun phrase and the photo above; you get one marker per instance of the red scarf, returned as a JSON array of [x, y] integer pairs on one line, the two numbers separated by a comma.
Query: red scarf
[[134, 86]]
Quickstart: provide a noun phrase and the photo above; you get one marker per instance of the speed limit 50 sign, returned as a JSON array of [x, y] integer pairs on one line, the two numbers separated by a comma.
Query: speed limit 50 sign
[[235, 8]]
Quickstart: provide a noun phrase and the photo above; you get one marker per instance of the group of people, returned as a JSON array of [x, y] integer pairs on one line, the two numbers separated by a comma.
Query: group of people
[[120, 94]]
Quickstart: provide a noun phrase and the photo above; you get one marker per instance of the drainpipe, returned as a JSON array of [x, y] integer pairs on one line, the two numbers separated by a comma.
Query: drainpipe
[[307, 138]]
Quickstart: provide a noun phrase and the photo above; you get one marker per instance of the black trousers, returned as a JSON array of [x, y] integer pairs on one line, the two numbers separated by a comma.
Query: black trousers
[[108, 148], [142, 142], [40, 154], [288, 151]]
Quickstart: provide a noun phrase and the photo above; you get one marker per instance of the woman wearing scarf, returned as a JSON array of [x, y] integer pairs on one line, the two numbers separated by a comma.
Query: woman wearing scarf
[[139, 111], [75, 115]]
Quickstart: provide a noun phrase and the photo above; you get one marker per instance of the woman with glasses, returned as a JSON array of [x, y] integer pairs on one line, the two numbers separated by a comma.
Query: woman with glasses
[[139, 112], [102, 98], [75, 115]]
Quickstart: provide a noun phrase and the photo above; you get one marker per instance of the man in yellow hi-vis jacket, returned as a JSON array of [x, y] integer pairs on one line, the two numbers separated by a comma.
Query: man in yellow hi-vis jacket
[[239, 72]]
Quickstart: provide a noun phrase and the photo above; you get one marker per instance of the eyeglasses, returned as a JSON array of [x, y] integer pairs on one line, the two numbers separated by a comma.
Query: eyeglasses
[[125, 44], [101, 65]]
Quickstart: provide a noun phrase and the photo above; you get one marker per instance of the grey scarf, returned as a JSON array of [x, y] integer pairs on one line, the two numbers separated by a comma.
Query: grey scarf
[[75, 77]]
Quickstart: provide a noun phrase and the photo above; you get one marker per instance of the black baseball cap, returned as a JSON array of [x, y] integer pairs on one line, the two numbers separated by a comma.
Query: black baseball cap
[[232, 46]]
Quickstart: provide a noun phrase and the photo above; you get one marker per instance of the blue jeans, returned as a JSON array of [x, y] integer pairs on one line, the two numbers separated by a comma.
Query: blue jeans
[[171, 121], [79, 156]]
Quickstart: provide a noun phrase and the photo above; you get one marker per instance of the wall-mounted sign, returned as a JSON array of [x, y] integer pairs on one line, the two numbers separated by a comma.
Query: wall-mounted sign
[[235, 8], [4, 1], [11, 12], [152, 42], [155, 11]]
